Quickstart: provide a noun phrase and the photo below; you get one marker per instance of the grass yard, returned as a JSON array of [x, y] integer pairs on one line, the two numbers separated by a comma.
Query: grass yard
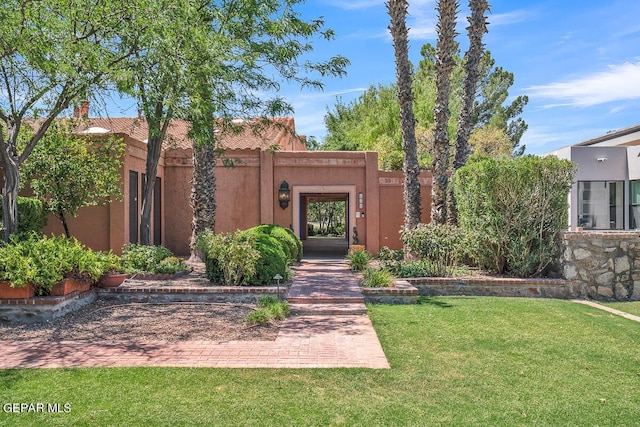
[[632, 307], [455, 361]]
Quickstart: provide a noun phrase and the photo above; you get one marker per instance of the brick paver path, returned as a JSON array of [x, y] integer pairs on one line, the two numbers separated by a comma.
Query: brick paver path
[[307, 341]]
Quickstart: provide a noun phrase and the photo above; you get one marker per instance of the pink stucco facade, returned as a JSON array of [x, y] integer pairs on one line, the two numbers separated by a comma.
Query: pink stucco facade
[[247, 194]]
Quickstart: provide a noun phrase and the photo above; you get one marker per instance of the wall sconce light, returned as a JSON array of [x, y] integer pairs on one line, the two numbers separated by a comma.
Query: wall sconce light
[[284, 195], [360, 200], [601, 159]]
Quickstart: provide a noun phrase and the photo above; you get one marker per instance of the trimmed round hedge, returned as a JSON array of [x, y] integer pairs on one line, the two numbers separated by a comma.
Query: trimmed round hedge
[[291, 245], [273, 259]]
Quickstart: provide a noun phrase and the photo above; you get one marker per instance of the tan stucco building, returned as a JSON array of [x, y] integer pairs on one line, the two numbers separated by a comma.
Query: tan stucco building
[[247, 193]]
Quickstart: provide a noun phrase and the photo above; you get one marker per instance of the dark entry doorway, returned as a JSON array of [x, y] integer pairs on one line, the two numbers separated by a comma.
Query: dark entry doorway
[[325, 223]]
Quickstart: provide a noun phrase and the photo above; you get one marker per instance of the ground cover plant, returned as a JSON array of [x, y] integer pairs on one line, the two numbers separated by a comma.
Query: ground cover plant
[[455, 361], [358, 260], [151, 259], [269, 309]]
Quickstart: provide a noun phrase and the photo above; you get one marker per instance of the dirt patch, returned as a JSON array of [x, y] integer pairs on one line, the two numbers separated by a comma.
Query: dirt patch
[[143, 322]]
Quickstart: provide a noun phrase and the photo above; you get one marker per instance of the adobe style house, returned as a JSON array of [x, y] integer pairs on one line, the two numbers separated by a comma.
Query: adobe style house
[[247, 194], [606, 194]]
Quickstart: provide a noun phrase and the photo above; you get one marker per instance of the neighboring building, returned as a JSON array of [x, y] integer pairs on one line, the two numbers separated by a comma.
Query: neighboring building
[[606, 194], [247, 194]]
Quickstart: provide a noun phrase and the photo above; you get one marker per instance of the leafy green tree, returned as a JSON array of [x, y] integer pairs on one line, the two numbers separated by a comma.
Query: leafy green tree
[[397, 10], [371, 121], [51, 52], [210, 62], [249, 49], [68, 171]]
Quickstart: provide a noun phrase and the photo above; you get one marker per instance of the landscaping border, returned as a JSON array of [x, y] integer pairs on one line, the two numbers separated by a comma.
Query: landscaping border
[[402, 292], [166, 294], [43, 309], [491, 286]]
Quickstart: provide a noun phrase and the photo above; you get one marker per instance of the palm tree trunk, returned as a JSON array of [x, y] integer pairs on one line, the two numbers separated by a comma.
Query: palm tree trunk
[[397, 10], [203, 200], [476, 30], [447, 10]]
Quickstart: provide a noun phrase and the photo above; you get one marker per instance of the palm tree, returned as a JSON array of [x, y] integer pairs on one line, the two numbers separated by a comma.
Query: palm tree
[[398, 11], [446, 48], [476, 30]]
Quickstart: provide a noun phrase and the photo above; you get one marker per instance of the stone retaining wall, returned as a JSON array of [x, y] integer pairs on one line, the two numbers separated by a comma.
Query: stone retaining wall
[[402, 292], [602, 265], [238, 294], [43, 309], [491, 286]]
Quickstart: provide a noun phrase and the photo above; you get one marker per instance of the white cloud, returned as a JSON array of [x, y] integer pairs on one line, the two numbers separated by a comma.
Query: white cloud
[[508, 18], [354, 4], [619, 82]]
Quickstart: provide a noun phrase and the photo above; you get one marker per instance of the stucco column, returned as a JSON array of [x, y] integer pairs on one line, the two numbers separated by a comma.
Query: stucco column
[[372, 201], [266, 187]]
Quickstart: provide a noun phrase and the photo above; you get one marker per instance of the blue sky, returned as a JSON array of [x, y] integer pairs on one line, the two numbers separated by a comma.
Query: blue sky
[[579, 62]]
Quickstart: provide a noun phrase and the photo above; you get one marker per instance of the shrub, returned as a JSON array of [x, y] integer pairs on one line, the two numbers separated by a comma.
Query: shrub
[[358, 260], [422, 268], [376, 278], [515, 209], [170, 265], [269, 308], [262, 317], [32, 215], [441, 245], [142, 258], [111, 263], [229, 258], [291, 244], [272, 260], [46, 261], [391, 259]]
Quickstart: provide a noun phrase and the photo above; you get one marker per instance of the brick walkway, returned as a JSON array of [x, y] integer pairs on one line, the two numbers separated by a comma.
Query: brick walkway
[[304, 341]]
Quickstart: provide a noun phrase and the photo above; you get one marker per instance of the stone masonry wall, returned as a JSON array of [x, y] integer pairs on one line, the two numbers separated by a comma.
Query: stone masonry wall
[[602, 265]]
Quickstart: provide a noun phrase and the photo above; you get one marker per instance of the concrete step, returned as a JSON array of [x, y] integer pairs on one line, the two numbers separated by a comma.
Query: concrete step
[[344, 309], [326, 300]]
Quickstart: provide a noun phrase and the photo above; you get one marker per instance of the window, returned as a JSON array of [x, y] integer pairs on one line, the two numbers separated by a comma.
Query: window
[[634, 204], [601, 205]]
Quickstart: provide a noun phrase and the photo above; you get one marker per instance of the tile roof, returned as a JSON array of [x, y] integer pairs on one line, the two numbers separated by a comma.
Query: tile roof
[[247, 134]]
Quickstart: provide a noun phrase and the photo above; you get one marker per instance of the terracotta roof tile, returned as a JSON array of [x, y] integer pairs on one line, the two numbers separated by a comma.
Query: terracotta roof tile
[[259, 137]]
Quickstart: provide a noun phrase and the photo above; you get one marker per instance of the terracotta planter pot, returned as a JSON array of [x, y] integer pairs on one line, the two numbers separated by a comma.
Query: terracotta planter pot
[[112, 280], [7, 292], [355, 248], [66, 286]]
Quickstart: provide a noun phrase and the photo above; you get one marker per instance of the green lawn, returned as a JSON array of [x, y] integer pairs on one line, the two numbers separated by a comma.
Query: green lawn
[[632, 307], [455, 361]]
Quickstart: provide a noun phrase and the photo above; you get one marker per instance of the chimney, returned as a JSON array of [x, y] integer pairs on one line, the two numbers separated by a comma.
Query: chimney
[[81, 110]]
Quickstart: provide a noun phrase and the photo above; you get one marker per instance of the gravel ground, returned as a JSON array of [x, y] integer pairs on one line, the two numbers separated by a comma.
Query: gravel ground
[[107, 320]]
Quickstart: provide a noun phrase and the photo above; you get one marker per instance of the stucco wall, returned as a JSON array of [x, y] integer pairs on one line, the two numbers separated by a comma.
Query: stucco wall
[[178, 212], [392, 205]]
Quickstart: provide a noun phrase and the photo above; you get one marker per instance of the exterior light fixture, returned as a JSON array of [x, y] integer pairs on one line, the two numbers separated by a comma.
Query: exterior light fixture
[[360, 200], [601, 159], [284, 195]]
